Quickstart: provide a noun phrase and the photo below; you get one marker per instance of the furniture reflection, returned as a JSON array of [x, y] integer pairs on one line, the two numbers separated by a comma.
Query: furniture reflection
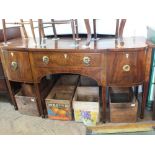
[[120, 24], [45, 24]]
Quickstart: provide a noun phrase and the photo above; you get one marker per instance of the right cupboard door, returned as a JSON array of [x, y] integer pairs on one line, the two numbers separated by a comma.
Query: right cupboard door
[[125, 68]]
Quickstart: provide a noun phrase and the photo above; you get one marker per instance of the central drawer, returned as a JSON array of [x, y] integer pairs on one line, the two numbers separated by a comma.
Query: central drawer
[[47, 59]]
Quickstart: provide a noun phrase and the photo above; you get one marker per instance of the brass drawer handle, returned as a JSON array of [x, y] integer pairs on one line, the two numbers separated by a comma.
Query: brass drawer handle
[[46, 59], [14, 65], [126, 68], [86, 61]]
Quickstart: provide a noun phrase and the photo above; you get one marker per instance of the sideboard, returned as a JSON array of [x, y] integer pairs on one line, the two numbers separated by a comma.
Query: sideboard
[[111, 62]]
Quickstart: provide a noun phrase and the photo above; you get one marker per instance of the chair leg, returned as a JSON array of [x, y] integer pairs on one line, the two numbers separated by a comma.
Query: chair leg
[[32, 30], [76, 29], [40, 27], [4, 30], [73, 29], [54, 29], [23, 28], [94, 26], [87, 24], [121, 28], [117, 28]]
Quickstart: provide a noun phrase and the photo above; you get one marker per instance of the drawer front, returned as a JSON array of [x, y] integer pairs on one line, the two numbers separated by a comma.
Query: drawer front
[[3, 86], [125, 68], [66, 59], [17, 66]]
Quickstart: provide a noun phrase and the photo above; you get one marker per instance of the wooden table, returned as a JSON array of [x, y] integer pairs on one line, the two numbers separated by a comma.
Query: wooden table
[[112, 63]]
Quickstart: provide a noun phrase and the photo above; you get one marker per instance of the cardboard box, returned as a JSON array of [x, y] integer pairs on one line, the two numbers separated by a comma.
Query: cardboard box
[[59, 103], [86, 105], [27, 105]]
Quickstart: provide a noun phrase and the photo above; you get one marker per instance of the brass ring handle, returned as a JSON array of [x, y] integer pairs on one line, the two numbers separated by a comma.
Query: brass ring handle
[[86, 60], [126, 68], [14, 65], [46, 59]]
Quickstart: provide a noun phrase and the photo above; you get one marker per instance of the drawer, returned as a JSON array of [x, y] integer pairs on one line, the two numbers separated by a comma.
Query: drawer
[[3, 86], [125, 68], [66, 59], [17, 66]]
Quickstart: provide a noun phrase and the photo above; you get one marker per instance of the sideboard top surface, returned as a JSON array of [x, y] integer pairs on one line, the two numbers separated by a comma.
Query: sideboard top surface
[[69, 44]]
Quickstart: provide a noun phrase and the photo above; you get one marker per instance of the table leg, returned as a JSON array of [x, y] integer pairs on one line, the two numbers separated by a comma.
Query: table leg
[[136, 91], [153, 116], [11, 94], [153, 111], [104, 103], [39, 100], [145, 92]]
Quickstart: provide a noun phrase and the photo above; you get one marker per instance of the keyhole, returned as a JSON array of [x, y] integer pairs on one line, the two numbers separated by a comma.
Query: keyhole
[[65, 55], [127, 56]]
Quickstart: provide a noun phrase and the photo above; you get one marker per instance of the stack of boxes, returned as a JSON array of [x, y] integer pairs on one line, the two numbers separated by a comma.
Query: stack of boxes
[[74, 93]]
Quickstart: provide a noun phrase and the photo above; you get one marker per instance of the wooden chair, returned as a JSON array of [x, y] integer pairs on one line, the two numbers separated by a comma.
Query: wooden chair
[[21, 24], [118, 33], [76, 29], [53, 22], [88, 28], [120, 24]]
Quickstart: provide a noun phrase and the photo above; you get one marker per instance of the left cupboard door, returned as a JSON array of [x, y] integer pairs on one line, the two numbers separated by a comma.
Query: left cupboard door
[[17, 66]]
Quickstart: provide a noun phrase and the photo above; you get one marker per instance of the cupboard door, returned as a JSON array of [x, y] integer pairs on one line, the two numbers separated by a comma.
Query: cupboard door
[[125, 68], [17, 66]]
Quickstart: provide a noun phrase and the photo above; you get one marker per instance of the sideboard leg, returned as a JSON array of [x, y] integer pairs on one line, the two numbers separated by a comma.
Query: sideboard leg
[[40, 107], [11, 94], [104, 103], [136, 91], [144, 99], [153, 115]]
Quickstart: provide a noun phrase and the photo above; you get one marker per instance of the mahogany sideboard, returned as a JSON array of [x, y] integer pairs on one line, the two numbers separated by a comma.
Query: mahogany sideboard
[[111, 62]]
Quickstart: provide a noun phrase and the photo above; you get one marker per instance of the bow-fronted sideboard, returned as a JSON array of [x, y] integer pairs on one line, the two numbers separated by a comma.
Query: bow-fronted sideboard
[[111, 62]]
